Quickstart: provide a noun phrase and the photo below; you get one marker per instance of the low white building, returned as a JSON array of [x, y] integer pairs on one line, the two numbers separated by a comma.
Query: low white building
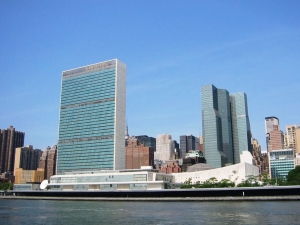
[[237, 173], [144, 179]]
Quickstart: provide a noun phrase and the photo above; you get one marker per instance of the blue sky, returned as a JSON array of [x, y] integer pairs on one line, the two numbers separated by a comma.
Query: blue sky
[[171, 49]]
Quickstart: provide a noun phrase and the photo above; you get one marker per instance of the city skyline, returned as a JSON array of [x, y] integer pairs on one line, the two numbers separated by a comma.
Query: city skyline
[[242, 46]]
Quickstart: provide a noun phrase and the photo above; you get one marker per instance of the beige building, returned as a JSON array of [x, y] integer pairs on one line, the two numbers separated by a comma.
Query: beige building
[[297, 139], [28, 176], [27, 158], [290, 140], [164, 147]]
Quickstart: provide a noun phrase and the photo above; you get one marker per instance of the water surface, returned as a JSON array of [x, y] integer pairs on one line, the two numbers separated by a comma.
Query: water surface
[[92, 212]]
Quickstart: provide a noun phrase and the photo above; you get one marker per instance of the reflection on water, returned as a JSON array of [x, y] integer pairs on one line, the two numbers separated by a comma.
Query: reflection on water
[[121, 213]]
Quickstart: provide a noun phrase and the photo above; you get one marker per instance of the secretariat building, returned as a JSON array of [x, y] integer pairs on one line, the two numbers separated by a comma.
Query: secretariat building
[[92, 118]]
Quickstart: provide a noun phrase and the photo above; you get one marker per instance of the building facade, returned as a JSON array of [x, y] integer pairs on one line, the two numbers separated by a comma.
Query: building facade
[[92, 118], [281, 162], [274, 137], [188, 142], [291, 136], [138, 155], [297, 139], [240, 125], [48, 161], [164, 147], [147, 141], [225, 126], [28, 176], [10, 139], [27, 158]]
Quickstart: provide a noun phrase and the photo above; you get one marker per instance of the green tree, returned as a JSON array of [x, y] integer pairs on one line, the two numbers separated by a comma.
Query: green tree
[[225, 183], [6, 186], [293, 177]]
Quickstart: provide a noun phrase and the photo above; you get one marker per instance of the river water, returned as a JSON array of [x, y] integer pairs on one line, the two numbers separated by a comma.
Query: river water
[[121, 213]]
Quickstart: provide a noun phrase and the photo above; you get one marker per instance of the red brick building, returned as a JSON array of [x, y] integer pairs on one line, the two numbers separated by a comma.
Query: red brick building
[[171, 167], [138, 155]]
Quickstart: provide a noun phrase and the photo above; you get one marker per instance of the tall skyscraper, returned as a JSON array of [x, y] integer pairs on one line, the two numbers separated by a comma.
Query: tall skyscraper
[[164, 147], [92, 118], [9, 141], [240, 125], [225, 126]]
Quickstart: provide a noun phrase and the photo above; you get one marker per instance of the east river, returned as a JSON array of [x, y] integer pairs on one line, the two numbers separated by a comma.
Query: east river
[[121, 213]]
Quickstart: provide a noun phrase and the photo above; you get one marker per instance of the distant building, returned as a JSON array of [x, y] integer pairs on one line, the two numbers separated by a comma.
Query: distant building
[[164, 147], [27, 158], [28, 176], [274, 137], [281, 162], [297, 139], [92, 118], [291, 136], [260, 159], [48, 161], [9, 141], [188, 142], [171, 166], [147, 141], [138, 155], [176, 153], [201, 144], [275, 141]]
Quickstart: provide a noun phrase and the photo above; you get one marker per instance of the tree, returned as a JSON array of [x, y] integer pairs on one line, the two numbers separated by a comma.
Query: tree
[[293, 177]]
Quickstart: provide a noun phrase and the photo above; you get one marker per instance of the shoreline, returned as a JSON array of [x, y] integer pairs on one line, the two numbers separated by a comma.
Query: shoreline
[[162, 199]]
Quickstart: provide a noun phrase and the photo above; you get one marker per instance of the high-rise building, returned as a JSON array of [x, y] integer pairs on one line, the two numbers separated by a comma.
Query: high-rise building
[[275, 139], [27, 158], [290, 136], [188, 142], [48, 161], [225, 125], [297, 139], [9, 141], [138, 155], [271, 124], [92, 118], [164, 147], [240, 125]]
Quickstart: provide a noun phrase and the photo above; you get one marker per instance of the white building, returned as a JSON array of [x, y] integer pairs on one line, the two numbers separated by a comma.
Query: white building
[[144, 179], [237, 173], [164, 147]]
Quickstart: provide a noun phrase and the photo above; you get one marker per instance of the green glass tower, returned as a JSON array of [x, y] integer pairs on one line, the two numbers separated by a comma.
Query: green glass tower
[[92, 118], [225, 126]]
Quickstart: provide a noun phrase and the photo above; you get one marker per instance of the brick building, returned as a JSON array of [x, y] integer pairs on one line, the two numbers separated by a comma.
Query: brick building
[[48, 162], [138, 155]]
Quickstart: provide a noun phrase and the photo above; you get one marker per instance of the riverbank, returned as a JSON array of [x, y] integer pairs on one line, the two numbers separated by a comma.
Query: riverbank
[[162, 199]]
